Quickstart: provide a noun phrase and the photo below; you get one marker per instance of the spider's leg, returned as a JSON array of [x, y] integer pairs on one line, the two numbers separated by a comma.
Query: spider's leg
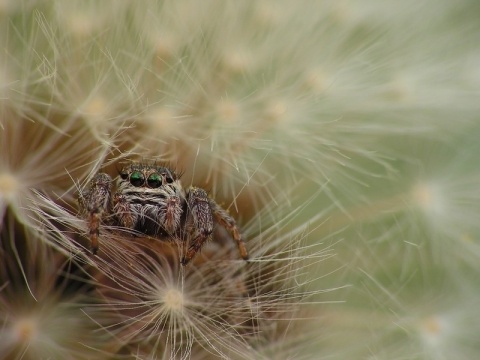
[[228, 222], [199, 222], [95, 203]]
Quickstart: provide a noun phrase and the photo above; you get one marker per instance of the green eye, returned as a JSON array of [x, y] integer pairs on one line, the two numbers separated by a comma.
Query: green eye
[[137, 178], [154, 181]]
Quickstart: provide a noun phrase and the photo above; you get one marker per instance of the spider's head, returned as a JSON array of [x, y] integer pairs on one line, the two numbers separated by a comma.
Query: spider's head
[[144, 175]]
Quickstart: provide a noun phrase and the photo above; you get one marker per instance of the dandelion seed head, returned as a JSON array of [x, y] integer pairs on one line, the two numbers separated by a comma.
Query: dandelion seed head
[[100, 114], [82, 25], [165, 44], [318, 80], [12, 192], [434, 314], [40, 308], [26, 329], [173, 299], [95, 110], [277, 111], [432, 329], [451, 332], [162, 122], [36, 157], [45, 329], [238, 61], [428, 196], [228, 111], [438, 210], [9, 186], [80, 20]]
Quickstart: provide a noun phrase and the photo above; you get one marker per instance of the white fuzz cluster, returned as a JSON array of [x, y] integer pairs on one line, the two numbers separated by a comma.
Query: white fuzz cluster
[[33, 156], [219, 304], [319, 126], [40, 315]]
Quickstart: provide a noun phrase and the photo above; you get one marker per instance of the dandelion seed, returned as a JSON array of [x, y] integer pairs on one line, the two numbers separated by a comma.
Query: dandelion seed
[[162, 125], [173, 300], [429, 198], [40, 305], [84, 20], [425, 316], [431, 328], [237, 61], [8, 186], [301, 100], [35, 156], [318, 80], [224, 306]]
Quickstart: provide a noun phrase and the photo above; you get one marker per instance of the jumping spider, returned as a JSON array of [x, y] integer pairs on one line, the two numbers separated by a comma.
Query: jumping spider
[[150, 199]]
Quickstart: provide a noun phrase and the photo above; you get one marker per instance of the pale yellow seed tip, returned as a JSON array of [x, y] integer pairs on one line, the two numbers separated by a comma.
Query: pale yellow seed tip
[[173, 300], [81, 24], [165, 46], [317, 80], [8, 185], [96, 107], [398, 90], [228, 111], [428, 198], [26, 330], [422, 195], [432, 326], [276, 111], [162, 121], [237, 61]]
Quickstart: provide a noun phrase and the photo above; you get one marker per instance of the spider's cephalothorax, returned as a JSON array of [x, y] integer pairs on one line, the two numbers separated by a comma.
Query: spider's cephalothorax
[[150, 199]]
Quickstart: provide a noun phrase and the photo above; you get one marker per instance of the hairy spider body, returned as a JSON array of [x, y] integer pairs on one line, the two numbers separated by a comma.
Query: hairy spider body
[[151, 200]]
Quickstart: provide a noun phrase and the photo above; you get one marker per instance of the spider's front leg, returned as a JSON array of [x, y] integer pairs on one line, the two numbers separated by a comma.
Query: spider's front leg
[[199, 225], [95, 203], [223, 218]]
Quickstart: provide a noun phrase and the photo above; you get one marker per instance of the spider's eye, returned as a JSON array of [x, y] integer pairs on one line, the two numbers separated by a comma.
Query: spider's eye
[[169, 180], [124, 175], [137, 178], [154, 181]]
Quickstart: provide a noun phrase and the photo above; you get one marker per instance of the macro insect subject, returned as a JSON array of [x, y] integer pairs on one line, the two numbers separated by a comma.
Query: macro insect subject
[[151, 200]]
